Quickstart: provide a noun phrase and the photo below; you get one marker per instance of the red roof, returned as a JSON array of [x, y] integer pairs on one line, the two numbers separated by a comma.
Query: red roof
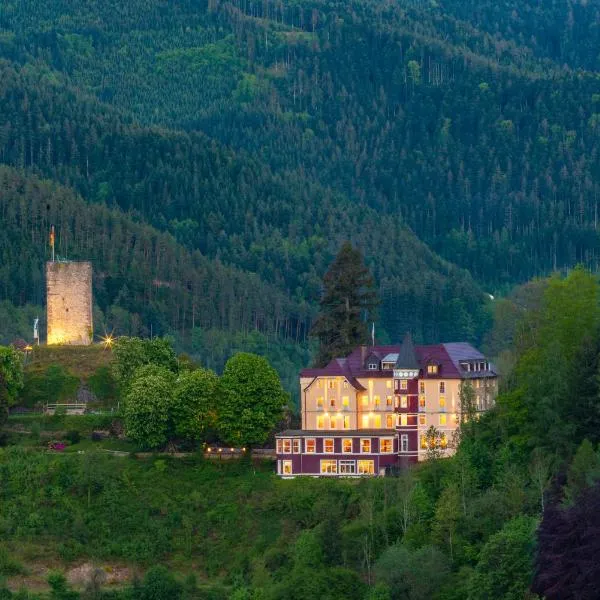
[[446, 356]]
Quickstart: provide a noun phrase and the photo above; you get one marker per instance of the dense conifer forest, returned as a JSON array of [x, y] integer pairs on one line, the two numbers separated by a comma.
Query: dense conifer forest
[[264, 134]]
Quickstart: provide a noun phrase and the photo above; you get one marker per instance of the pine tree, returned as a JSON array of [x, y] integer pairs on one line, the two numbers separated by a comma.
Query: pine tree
[[349, 297]]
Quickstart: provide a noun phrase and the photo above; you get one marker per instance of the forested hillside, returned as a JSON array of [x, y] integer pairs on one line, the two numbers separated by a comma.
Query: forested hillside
[[263, 135], [467, 120]]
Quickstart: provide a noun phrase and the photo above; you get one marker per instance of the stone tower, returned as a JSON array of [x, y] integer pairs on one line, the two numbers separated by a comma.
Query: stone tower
[[69, 303]]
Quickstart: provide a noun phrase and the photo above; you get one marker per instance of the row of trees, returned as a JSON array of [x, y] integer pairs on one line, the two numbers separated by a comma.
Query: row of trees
[[165, 399]]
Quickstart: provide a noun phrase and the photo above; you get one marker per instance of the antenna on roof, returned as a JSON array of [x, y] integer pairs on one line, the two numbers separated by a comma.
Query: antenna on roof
[[373, 333]]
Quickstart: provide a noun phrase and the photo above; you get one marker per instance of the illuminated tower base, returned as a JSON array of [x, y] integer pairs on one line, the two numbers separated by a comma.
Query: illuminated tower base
[[69, 303]]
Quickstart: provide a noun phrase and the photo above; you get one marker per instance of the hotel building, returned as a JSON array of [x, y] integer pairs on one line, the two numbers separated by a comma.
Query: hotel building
[[370, 411]]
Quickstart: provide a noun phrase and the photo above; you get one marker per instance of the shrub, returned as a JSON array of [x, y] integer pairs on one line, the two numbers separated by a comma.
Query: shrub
[[8, 565], [73, 436]]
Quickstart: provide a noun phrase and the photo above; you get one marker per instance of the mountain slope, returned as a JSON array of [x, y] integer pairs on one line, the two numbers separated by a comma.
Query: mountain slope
[[141, 276], [457, 117], [282, 226]]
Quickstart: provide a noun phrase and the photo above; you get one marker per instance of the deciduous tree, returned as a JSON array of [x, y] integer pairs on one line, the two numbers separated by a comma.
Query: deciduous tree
[[251, 400]]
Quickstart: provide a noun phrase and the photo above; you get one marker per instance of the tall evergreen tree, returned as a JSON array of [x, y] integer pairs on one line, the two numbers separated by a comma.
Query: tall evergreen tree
[[349, 297]]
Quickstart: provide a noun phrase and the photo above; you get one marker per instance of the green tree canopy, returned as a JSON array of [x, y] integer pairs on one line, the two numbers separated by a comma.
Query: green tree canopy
[[11, 379], [148, 406], [195, 403], [505, 567], [130, 353], [251, 400], [349, 299]]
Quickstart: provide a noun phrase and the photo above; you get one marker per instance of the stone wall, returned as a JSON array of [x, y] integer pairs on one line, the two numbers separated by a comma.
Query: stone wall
[[69, 302]]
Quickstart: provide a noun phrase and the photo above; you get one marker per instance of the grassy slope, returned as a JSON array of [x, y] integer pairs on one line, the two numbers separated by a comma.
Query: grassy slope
[[213, 519]]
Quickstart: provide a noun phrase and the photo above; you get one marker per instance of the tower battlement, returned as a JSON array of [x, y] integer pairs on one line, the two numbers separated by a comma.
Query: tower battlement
[[69, 303]]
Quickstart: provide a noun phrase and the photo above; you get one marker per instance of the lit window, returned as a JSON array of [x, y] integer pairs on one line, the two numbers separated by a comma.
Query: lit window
[[346, 422], [443, 402], [328, 467], [366, 467], [319, 383], [388, 384], [442, 387], [347, 467], [404, 420], [287, 446], [377, 419], [424, 442], [320, 401], [432, 369], [422, 420], [328, 445], [389, 421], [442, 419], [365, 421], [320, 422], [403, 401], [331, 384], [346, 401], [347, 446], [332, 423], [403, 384], [296, 446], [345, 384], [404, 443], [388, 401], [377, 400], [421, 387], [279, 446], [422, 402], [443, 441], [365, 400], [310, 445], [386, 445], [332, 402], [365, 445], [286, 467]]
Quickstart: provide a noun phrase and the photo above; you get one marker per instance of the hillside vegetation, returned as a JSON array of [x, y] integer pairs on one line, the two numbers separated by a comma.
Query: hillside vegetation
[[494, 521]]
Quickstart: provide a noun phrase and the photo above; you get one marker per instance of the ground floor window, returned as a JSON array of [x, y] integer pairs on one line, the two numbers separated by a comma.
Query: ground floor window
[[328, 466], [347, 467], [366, 467], [286, 467]]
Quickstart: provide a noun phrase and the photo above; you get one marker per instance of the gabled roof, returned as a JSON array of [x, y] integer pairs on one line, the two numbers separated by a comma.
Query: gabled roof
[[337, 367], [447, 356], [407, 359]]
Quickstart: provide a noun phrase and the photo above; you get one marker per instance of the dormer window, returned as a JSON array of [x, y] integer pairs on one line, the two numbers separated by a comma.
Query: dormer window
[[372, 366], [432, 369]]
